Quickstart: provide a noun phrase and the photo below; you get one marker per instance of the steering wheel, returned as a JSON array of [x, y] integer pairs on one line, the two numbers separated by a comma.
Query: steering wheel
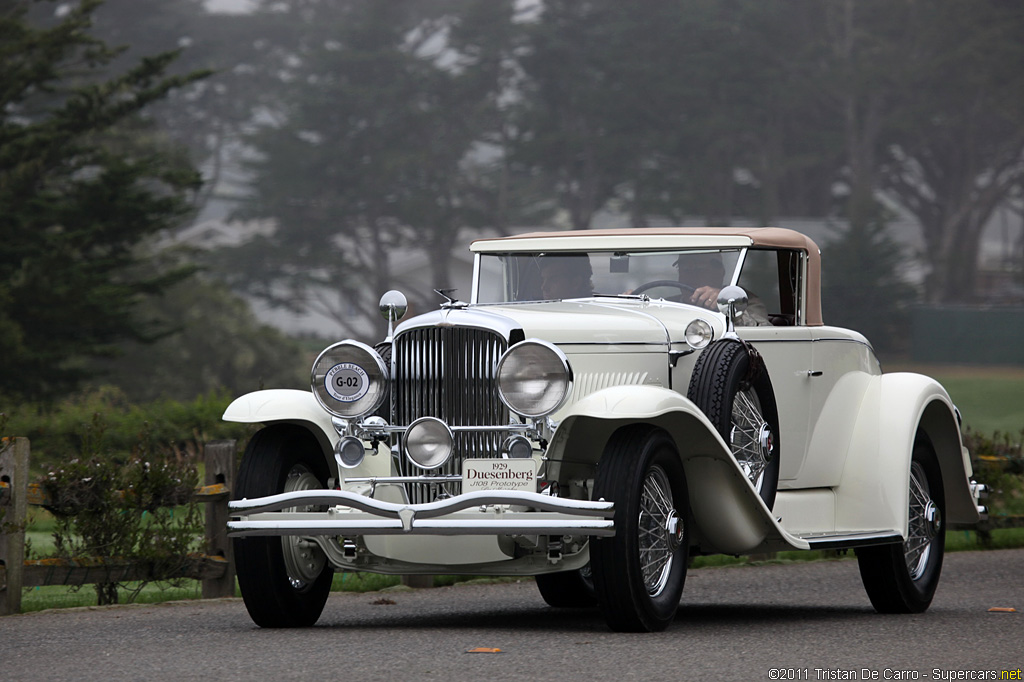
[[664, 283]]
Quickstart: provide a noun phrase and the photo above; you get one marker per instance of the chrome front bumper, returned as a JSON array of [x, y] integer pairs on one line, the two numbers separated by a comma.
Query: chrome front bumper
[[479, 513]]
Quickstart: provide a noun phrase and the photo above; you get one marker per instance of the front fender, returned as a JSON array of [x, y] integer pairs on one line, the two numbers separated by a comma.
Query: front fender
[[729, 516], [281, 405]]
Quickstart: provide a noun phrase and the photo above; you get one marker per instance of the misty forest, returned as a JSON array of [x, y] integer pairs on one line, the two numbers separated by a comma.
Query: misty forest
[[334, 142]]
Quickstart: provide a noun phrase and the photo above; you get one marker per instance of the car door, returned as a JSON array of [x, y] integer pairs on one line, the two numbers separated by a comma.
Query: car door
[[774, 279]]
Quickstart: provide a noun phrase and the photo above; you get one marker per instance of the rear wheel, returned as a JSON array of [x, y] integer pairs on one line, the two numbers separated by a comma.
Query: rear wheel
[[285, 580], [640, 571], [902, 578], [568, 589]]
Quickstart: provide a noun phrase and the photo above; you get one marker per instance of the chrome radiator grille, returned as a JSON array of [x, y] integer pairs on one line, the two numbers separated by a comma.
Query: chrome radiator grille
[[449, 373]]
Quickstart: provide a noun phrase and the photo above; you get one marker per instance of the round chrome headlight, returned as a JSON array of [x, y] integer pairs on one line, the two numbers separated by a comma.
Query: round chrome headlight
[[428, 442], [349, 379], [534, 378], [698, 334]]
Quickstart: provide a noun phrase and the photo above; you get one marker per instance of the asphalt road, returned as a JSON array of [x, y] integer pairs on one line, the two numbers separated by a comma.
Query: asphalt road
[[740, 623]]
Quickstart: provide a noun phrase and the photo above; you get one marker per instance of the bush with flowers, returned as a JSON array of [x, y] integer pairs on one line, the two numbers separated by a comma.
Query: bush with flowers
[[132, 507]]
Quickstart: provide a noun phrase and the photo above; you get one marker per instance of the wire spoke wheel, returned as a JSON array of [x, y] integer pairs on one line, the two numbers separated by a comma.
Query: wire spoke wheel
[[657, 528], [751, 437], [901, 578], [639, 572], [925, 521]]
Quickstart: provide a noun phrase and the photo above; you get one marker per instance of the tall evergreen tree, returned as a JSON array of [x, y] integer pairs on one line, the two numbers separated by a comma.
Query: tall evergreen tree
[[84, 182]]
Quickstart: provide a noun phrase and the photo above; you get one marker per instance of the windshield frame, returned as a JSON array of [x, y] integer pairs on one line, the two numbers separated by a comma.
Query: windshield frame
[[480, 268]]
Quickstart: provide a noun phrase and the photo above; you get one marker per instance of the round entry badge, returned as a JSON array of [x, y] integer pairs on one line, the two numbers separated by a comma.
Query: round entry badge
[[347, 382]]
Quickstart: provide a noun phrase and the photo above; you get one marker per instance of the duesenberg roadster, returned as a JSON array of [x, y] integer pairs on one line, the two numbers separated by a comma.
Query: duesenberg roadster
[[607, 405]]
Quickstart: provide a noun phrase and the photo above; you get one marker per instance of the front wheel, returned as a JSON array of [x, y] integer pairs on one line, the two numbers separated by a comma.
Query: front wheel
[[639, 572], [284, 581], [902, 578]]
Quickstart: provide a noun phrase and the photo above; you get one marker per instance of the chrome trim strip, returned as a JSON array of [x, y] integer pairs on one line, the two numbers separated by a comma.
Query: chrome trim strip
[[848, 540], [475, 318], [555, 515], [383, 509], [507, 524], [610, 344], [404, 479], [745, 337], [738, 268], [641, 313], [370, 429], [474, 290]]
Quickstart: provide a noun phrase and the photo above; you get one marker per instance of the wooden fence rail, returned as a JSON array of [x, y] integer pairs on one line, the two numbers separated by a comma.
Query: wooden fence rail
[[215, 568]]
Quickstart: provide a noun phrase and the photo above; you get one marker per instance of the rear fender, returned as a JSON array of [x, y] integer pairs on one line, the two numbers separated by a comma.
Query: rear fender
[[873, 493], [728, 514]]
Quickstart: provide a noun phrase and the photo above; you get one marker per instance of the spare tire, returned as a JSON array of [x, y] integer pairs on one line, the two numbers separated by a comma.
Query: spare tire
[[731, 386]]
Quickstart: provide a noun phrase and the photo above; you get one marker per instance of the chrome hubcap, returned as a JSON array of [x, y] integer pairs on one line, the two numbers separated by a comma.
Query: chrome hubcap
[[303, 558], [660, 531]]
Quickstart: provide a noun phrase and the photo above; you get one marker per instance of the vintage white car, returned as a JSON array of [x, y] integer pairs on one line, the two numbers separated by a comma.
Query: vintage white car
[[607, 405]]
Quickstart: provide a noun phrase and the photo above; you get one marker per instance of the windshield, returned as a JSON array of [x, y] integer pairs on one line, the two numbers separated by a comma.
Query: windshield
[[672, 275]]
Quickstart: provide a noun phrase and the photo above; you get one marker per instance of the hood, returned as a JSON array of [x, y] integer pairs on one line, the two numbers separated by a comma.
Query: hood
[[612, 322]]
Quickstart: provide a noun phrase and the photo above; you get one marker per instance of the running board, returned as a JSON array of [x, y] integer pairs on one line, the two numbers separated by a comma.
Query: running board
[[847, 540]]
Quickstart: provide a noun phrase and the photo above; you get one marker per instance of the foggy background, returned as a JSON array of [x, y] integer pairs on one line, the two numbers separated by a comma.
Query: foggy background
[[347, 147]]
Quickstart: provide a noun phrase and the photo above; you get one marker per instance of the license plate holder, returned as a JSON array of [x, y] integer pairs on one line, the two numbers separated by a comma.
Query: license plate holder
[[499, 474]]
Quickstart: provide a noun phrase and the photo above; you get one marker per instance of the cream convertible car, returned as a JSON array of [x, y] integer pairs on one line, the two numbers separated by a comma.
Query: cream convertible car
[[607, 405]]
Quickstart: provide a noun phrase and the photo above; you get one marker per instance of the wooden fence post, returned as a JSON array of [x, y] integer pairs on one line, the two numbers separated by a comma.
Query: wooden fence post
[[220, 470], [14, 502]]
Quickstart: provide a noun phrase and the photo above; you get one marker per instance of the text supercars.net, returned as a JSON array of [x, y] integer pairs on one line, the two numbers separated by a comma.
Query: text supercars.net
[[891, 674]]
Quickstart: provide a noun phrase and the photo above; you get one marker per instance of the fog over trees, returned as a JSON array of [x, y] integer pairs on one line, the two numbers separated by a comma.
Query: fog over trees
[[357, 128]]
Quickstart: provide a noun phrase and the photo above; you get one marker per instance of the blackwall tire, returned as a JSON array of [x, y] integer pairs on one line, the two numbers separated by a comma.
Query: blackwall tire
[[284, 581], [640, 571], [902, 578], [742, 409]]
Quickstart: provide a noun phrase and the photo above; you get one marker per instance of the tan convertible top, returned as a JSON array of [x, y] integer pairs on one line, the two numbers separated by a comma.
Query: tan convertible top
[[764, 237]]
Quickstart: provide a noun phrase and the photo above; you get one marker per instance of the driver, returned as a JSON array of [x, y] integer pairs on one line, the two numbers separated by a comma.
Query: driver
[[566, 276], [704, 273]]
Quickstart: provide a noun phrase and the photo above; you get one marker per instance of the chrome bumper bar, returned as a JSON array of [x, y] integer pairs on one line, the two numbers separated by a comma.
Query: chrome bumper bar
[[477, 513]]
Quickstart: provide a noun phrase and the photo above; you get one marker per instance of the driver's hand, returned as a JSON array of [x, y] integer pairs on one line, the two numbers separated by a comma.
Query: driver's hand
[[706, 297]]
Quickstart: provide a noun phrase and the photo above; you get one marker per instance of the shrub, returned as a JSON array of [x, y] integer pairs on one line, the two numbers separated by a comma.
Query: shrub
[[171, 428], [135, 508], [998, 462]]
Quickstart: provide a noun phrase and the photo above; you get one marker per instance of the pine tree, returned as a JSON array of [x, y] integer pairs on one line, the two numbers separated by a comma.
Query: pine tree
[[85, 181]]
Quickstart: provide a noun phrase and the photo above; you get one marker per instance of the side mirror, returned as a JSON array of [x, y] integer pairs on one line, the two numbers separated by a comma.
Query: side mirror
[[732, 301]]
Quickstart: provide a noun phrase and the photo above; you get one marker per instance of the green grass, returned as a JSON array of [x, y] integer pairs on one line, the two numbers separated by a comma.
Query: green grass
[[62, 597], [989, 398]]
